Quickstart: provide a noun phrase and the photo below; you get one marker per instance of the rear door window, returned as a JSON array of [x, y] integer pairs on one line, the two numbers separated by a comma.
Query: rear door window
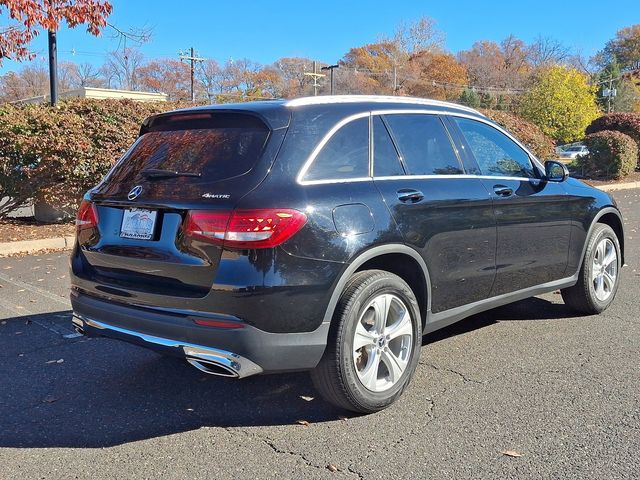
[[424, 144], [345, 155]]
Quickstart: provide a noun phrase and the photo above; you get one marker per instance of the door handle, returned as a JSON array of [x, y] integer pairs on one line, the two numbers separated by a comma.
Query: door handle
[[502, 190], [407, 195]]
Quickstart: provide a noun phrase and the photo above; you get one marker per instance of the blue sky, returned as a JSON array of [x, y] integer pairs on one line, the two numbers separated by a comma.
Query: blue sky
[[325, 29]]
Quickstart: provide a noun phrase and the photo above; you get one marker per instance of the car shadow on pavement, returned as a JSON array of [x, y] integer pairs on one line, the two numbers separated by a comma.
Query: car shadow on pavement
[[106, 393], [530, 309]]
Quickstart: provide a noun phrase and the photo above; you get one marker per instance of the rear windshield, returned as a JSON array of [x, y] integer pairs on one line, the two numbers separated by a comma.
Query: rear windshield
[[212, 149]]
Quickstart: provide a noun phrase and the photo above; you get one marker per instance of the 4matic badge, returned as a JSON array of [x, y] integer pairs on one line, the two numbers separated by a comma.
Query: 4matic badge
[[216, 195]]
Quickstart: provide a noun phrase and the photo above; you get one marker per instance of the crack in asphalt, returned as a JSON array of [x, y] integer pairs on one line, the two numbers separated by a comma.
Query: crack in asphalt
[[464, 378], [271, 444]]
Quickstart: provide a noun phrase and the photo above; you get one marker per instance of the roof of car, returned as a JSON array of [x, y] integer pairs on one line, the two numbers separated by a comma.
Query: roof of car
[[333, 99], [277, 112]]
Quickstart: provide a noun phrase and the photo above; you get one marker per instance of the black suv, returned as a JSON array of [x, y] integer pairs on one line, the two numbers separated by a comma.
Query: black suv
[[330, 234]]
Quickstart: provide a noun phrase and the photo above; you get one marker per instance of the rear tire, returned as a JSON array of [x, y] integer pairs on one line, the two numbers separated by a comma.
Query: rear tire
[[599, 275], [374, 343]]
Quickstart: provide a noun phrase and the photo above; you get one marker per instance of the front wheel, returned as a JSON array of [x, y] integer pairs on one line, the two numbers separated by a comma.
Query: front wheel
[[373, 345], [599, 275]]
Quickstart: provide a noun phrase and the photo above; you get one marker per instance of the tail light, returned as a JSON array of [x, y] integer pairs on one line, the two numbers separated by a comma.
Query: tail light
[[87, 216], [261, 228]]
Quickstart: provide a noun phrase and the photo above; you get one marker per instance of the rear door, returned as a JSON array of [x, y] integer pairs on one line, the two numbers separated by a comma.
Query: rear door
[[444, 214], [182, 162], [532, 214]]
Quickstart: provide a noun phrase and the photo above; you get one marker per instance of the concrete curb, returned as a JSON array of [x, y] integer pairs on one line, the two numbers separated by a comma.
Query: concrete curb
[[32, 246], [611, 187]]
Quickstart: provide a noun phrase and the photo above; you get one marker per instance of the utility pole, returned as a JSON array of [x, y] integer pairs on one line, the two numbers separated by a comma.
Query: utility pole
[[610, 92], [315, 75], [331, 68], [191, 57], [53, 67]]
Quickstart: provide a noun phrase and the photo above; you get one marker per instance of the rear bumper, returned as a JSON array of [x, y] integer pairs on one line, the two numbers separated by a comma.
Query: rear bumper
[[237, 352]]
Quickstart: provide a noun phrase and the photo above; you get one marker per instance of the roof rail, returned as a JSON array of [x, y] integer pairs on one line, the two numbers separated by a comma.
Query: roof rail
[[328, 99]]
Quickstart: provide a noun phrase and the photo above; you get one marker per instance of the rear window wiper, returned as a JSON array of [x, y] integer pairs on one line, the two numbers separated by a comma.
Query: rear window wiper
[[152, 173]]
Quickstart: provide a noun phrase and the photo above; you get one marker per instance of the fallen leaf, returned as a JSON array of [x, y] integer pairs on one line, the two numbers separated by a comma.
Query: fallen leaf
[[50, 399], [303, 423], [332, 468], [511, 453]]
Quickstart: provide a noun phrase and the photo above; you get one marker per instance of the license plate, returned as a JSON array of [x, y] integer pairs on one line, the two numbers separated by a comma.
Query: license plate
[[138, 223]]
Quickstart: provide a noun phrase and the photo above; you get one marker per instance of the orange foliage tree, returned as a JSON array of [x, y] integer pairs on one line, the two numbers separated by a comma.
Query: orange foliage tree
[[30, 15]]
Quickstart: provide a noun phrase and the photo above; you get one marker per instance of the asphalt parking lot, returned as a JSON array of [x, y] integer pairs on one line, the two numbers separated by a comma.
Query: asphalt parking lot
[[563, 391]]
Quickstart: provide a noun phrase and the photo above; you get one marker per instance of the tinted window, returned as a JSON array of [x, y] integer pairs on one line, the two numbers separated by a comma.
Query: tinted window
[[496, 154], [345, 155], [424, 144], [216, 148], [385, 158]]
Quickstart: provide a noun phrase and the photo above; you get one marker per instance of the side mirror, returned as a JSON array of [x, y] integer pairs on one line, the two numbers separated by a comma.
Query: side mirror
[[556, 171]]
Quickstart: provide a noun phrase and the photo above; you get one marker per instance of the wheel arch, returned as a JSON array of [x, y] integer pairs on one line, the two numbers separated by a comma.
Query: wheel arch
[[394, 258], [611, 216]]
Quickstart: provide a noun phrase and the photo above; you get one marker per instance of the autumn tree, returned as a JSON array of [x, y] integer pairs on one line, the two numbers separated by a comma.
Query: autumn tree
[[502, 65], [561, 103], [208, 75], [624, 48], [435, 75], [121, 70], [27, 17], [546, 51], [292, 71], [166, 75], [370, 69]]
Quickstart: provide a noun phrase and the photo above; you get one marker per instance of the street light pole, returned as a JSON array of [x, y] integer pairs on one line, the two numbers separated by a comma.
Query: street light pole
[[331, 68], [53, 68]]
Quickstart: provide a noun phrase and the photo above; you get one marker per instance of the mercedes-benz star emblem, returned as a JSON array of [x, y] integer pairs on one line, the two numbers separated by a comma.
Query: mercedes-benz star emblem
[[135, 192]]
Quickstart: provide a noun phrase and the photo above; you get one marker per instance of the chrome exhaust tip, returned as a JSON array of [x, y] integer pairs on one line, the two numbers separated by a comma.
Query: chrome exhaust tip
[[213, 368], [78, 325]]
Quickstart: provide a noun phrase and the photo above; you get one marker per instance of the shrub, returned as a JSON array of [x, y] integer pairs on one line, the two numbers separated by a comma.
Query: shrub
[[612, 154], [627, 123], [525, 131], [57, 153]]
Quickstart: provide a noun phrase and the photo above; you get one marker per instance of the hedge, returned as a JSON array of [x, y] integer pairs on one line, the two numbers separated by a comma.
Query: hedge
[[612, 154], [627, 123], [528, 133], [57, 153]]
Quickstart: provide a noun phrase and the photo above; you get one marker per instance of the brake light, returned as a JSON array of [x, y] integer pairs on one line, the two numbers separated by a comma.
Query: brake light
[[260, 228], [87, 216]]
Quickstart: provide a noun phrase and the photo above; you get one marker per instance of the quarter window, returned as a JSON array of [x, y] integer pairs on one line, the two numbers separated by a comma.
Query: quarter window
[[496, 154], [386, 162], [424, 144], [345, 155]]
